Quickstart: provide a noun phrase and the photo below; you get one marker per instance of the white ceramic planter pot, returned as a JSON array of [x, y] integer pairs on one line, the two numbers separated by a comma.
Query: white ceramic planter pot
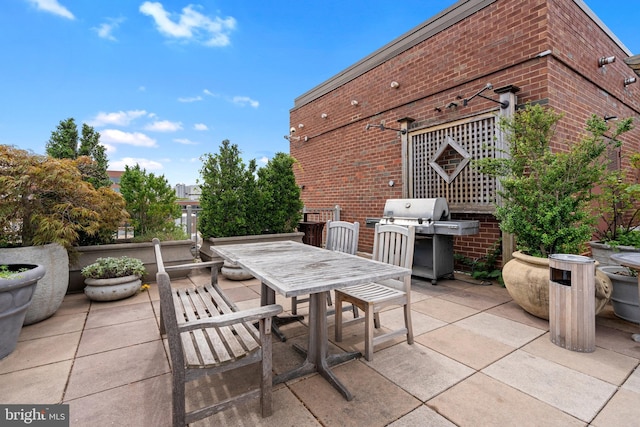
[[112, 289], [233, 272]]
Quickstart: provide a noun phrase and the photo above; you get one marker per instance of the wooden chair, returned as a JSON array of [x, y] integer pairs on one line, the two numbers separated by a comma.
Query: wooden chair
[[342, 236], [393, 244], [207, 334]]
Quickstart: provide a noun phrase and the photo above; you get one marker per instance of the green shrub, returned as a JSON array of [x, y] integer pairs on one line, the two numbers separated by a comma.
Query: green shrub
[[546, 196], [111, 267], [239, 200]]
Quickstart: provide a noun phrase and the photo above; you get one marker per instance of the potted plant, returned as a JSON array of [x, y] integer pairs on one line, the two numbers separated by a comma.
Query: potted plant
[[545, 199], [242, 204], [619, 207], [45, 209], [111, 278], [17, 286]]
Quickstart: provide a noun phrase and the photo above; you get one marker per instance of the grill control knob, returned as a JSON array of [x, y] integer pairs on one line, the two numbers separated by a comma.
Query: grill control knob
[[407, 205]]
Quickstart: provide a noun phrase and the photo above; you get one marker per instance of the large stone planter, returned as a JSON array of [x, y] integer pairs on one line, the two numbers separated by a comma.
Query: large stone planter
[[16, 295], [113, 289], [624, 298], [174, 252], [602, 252], [51, 289], [527, 281], [230, 271]]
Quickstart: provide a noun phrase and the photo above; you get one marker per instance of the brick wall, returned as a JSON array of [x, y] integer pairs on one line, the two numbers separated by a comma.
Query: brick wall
[[343, 164]]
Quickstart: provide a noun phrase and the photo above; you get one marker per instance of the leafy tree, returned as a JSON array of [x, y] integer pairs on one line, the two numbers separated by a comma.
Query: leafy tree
[[150, 201], [238, 201], [281, 203], [229, 201], [64, 144], [45, 200]]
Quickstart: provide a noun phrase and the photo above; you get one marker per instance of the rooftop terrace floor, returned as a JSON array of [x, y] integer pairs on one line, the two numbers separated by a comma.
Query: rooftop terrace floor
[[478, 360]]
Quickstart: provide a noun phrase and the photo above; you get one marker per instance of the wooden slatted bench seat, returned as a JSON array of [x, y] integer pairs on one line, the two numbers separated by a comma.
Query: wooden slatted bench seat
[[207, 334]]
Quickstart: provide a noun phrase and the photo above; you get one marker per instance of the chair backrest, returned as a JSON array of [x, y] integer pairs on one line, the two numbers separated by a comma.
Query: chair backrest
[[342, 236], [393, 244]]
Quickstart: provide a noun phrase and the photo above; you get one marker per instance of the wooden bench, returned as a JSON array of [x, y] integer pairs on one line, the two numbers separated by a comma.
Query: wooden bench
[[207, 334]]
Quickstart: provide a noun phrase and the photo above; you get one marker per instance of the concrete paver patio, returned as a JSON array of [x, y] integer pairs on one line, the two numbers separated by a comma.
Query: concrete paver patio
[[478, 359]]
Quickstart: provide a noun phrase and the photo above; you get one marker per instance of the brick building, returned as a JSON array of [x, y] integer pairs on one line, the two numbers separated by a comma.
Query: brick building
[[542, 51]]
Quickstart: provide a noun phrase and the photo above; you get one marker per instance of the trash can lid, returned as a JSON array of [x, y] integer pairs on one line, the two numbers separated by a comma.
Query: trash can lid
[[578, 259]]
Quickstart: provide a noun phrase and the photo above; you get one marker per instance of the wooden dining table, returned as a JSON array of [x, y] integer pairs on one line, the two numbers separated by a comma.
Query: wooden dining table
[[293, 269]]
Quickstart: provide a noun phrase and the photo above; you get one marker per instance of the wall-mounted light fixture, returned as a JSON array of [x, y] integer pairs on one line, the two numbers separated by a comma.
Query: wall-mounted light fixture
[[608, 117], [606, 60], [324, 115], [381, 126], [395, 85], [629, 80], [292, 138], [488, 86], [452, 105], [354, 102]]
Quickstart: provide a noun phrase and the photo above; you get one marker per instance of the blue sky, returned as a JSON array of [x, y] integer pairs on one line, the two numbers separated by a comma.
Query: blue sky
[[165, 82]]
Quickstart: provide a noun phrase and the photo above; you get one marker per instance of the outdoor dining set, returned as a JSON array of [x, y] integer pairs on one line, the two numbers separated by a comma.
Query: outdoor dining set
[[208, 334]]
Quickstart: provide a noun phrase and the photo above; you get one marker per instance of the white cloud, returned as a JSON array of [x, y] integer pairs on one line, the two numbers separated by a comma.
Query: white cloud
[[200, 126], [115, 136], [264, 160], [106, 29], [191, 99], [245, 100], [185, 141], [190, 25], [208, 92], [150, 165], [164, 126], [52, 6], [119, 118]]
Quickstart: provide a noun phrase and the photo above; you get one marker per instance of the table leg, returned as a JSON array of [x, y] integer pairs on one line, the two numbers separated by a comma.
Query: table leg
[[316, 355], [268, 296]]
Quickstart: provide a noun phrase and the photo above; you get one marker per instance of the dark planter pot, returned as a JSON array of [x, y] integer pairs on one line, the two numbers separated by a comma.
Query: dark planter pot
[[602, 252], [174, 252], [16, 295], [624, 298], [51, 289]]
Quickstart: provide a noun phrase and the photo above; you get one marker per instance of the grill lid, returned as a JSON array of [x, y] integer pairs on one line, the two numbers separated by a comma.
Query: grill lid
[[412, 211]]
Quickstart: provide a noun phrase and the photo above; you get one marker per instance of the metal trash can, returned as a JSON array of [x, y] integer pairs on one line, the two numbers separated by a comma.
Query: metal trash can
[[572, 312], [312, 232]]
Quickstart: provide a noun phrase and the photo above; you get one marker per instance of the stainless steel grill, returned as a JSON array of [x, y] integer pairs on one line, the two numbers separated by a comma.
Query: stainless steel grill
[[433, 252]]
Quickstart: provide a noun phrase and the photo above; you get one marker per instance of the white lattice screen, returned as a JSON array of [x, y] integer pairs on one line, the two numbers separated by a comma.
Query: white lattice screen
[[439, 163]]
